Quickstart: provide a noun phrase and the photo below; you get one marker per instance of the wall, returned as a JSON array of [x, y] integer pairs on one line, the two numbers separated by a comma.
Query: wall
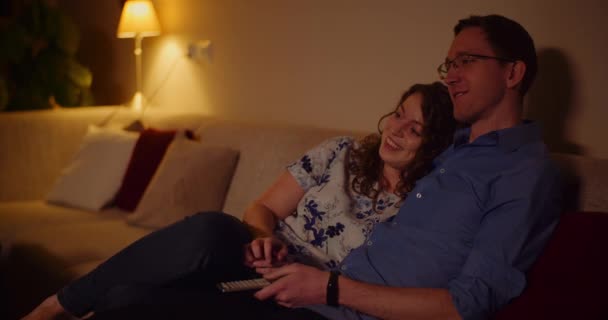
[[343, 63]]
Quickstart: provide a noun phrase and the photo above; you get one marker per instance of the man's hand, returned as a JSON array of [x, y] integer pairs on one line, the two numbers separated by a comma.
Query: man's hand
[[294, 285], [265, 252]]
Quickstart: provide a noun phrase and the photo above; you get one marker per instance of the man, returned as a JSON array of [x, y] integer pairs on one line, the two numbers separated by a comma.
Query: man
[[463, 240]]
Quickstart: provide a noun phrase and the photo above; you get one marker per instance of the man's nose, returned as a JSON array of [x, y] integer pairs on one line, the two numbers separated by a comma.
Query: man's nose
[[453, 75]]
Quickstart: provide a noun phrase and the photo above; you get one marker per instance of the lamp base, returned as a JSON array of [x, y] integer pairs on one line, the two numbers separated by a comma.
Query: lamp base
[[135, 126], [138, 102]]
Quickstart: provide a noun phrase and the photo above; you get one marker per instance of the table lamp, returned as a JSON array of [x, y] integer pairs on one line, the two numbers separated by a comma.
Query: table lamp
[[138, 20]]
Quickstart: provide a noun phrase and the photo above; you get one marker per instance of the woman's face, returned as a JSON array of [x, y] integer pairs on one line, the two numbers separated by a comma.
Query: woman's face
[[402, 134]]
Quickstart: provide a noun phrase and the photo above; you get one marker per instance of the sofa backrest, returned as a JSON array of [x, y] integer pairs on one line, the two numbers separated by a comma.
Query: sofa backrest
[[36, 146], [586, 182], [265, 151]]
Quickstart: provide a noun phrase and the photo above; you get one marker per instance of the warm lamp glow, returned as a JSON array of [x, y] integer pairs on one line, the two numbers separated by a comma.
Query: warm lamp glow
[[138, 102], [138, 18]]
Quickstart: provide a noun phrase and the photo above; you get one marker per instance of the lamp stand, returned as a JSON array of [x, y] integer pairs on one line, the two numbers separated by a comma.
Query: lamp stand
[[139, 101]]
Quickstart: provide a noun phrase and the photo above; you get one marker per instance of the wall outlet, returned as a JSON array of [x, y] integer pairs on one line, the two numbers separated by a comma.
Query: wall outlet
[[200, 49]]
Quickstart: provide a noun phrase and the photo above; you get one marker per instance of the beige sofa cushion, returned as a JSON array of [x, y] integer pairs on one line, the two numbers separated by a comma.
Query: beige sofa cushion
[[79, 242], [191, 178], [93, 177], [16, 216], [80, 269]]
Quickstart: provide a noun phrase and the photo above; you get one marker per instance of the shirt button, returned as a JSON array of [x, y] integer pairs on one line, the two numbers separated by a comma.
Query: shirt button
[[442, 170], [418, 195], [394, 223], [343, 268], [369, 243]]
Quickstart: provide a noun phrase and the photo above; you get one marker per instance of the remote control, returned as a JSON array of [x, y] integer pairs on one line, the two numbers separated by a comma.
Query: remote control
[[241, 285]]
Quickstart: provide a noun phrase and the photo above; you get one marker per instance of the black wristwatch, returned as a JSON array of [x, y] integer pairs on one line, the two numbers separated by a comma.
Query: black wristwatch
[[332, 289]]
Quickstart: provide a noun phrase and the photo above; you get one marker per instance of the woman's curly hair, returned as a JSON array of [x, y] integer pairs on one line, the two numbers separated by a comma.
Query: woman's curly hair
[[365, 164]]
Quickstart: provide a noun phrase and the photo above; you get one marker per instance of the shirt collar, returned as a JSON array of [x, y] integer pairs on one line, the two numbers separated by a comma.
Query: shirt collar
[[507, 139]]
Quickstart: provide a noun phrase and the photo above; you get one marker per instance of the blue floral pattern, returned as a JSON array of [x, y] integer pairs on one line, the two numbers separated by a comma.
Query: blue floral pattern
[[328, 222]]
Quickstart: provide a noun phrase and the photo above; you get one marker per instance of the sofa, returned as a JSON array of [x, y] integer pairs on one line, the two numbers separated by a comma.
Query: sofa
[[44, 245]]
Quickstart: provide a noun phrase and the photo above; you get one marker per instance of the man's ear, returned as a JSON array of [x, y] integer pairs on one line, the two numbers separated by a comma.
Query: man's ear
[[516, 75]]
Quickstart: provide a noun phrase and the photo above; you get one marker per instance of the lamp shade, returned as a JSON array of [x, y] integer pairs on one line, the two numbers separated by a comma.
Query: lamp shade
[[138, 17]]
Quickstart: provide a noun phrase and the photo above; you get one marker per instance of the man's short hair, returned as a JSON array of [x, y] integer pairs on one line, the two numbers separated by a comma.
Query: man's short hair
[[509, 40]]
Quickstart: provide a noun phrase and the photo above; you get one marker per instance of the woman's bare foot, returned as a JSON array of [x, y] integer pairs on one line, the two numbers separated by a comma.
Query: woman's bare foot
[[49, 309]]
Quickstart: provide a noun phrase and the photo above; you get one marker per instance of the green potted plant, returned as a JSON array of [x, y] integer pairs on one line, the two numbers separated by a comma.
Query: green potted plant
[[38, 66]]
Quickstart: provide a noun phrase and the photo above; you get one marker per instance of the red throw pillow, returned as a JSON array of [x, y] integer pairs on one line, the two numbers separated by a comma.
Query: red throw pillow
[[570, 278], [147, 155]]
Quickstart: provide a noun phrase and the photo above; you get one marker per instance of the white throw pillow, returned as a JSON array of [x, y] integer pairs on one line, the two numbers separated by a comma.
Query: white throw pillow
[[192, 177], [96, 171]]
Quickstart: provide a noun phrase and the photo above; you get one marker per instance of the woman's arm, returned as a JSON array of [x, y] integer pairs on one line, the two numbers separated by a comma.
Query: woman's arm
[[276, 203]]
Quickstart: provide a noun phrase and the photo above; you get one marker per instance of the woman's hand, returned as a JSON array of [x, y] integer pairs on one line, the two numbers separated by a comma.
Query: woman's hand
[[265, 252], [276, 204]]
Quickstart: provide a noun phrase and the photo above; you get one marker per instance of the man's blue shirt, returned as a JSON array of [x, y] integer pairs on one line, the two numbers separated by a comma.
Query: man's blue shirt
[[474, 225]]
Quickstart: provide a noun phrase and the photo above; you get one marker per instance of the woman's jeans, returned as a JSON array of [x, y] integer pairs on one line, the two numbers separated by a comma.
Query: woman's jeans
[[200, 251]]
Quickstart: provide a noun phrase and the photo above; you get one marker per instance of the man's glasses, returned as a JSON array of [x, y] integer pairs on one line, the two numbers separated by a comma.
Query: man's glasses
[[462, 61]]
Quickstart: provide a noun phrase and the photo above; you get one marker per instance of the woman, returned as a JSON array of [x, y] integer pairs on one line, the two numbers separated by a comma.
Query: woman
[[322, 207]]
